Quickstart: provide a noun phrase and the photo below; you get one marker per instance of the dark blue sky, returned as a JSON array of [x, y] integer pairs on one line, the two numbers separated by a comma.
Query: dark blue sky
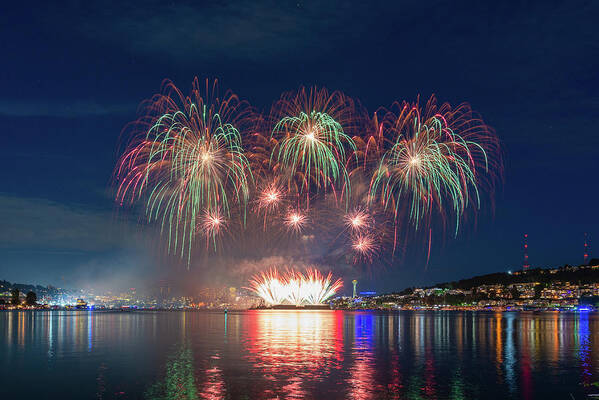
[[72, 77]]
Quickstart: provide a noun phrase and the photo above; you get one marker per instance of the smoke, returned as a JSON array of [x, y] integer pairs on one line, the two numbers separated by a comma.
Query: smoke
[[221, 271], [117, 272]]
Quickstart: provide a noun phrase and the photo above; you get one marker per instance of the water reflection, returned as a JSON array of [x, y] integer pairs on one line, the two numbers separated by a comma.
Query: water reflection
[[300, 354], [289, 348], [585, 348], [179, 381], [510, 356], [362, 368], [214, 384]]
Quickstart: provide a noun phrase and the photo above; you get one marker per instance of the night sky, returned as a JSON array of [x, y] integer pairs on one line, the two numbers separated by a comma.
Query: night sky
[[73, 76]]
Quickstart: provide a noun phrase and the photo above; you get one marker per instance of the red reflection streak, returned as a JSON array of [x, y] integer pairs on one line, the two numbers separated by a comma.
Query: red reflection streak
[[395, 386], [362, 378], [429, 375], [339, 338], [214, 389], [290, 347], [362, 385]]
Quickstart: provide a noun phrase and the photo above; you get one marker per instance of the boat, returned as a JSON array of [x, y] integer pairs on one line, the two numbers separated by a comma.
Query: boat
[[81, 305]]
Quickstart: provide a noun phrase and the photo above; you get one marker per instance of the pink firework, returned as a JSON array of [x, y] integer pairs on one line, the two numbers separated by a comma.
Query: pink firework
[[295, 221], [358, 221], [213, 224], [364, 246], [270, 198]]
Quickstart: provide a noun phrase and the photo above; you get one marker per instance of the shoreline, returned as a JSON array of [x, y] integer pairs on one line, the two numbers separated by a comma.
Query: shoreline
[[302, 309]]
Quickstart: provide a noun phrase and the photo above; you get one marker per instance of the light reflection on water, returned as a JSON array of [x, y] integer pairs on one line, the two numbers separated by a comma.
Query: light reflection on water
[[273, 354], [290, 348]]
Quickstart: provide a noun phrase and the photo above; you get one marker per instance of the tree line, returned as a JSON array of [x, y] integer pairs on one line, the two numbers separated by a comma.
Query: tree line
[[15, 298]]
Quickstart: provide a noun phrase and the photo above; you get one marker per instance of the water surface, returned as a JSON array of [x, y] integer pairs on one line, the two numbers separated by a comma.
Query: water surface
[[284, 354]]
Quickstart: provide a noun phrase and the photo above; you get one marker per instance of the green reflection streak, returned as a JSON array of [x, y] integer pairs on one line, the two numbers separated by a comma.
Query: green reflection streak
[[457, 387], [415, 385], [179, 382]]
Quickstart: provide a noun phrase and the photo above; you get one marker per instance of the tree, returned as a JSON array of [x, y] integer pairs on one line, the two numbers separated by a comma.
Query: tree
[[31, 298], [515, 293], [538, 290], [14, 294]]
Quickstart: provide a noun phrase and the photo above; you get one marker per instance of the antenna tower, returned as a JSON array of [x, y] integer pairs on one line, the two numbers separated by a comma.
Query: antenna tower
[[525, 265], [587, 249]]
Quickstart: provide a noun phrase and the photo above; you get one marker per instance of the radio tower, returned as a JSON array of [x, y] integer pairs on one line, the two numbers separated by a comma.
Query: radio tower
[[355, 283], [526, 265], [587, 249]]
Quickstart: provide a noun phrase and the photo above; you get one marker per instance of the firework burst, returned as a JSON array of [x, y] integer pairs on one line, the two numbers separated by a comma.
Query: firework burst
[[364, 246], [295, 221], [271, 287], [438, 156], [358, 221], [359, 178], [293, 287], [270, 198], [213, 225], [312, 140], [185, 157]]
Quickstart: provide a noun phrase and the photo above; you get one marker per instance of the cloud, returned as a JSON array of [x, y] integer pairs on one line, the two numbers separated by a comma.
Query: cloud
[[32, 224], [224, 31]]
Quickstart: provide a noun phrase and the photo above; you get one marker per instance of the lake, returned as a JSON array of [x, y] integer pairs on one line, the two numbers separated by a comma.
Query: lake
[[285, 354]]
